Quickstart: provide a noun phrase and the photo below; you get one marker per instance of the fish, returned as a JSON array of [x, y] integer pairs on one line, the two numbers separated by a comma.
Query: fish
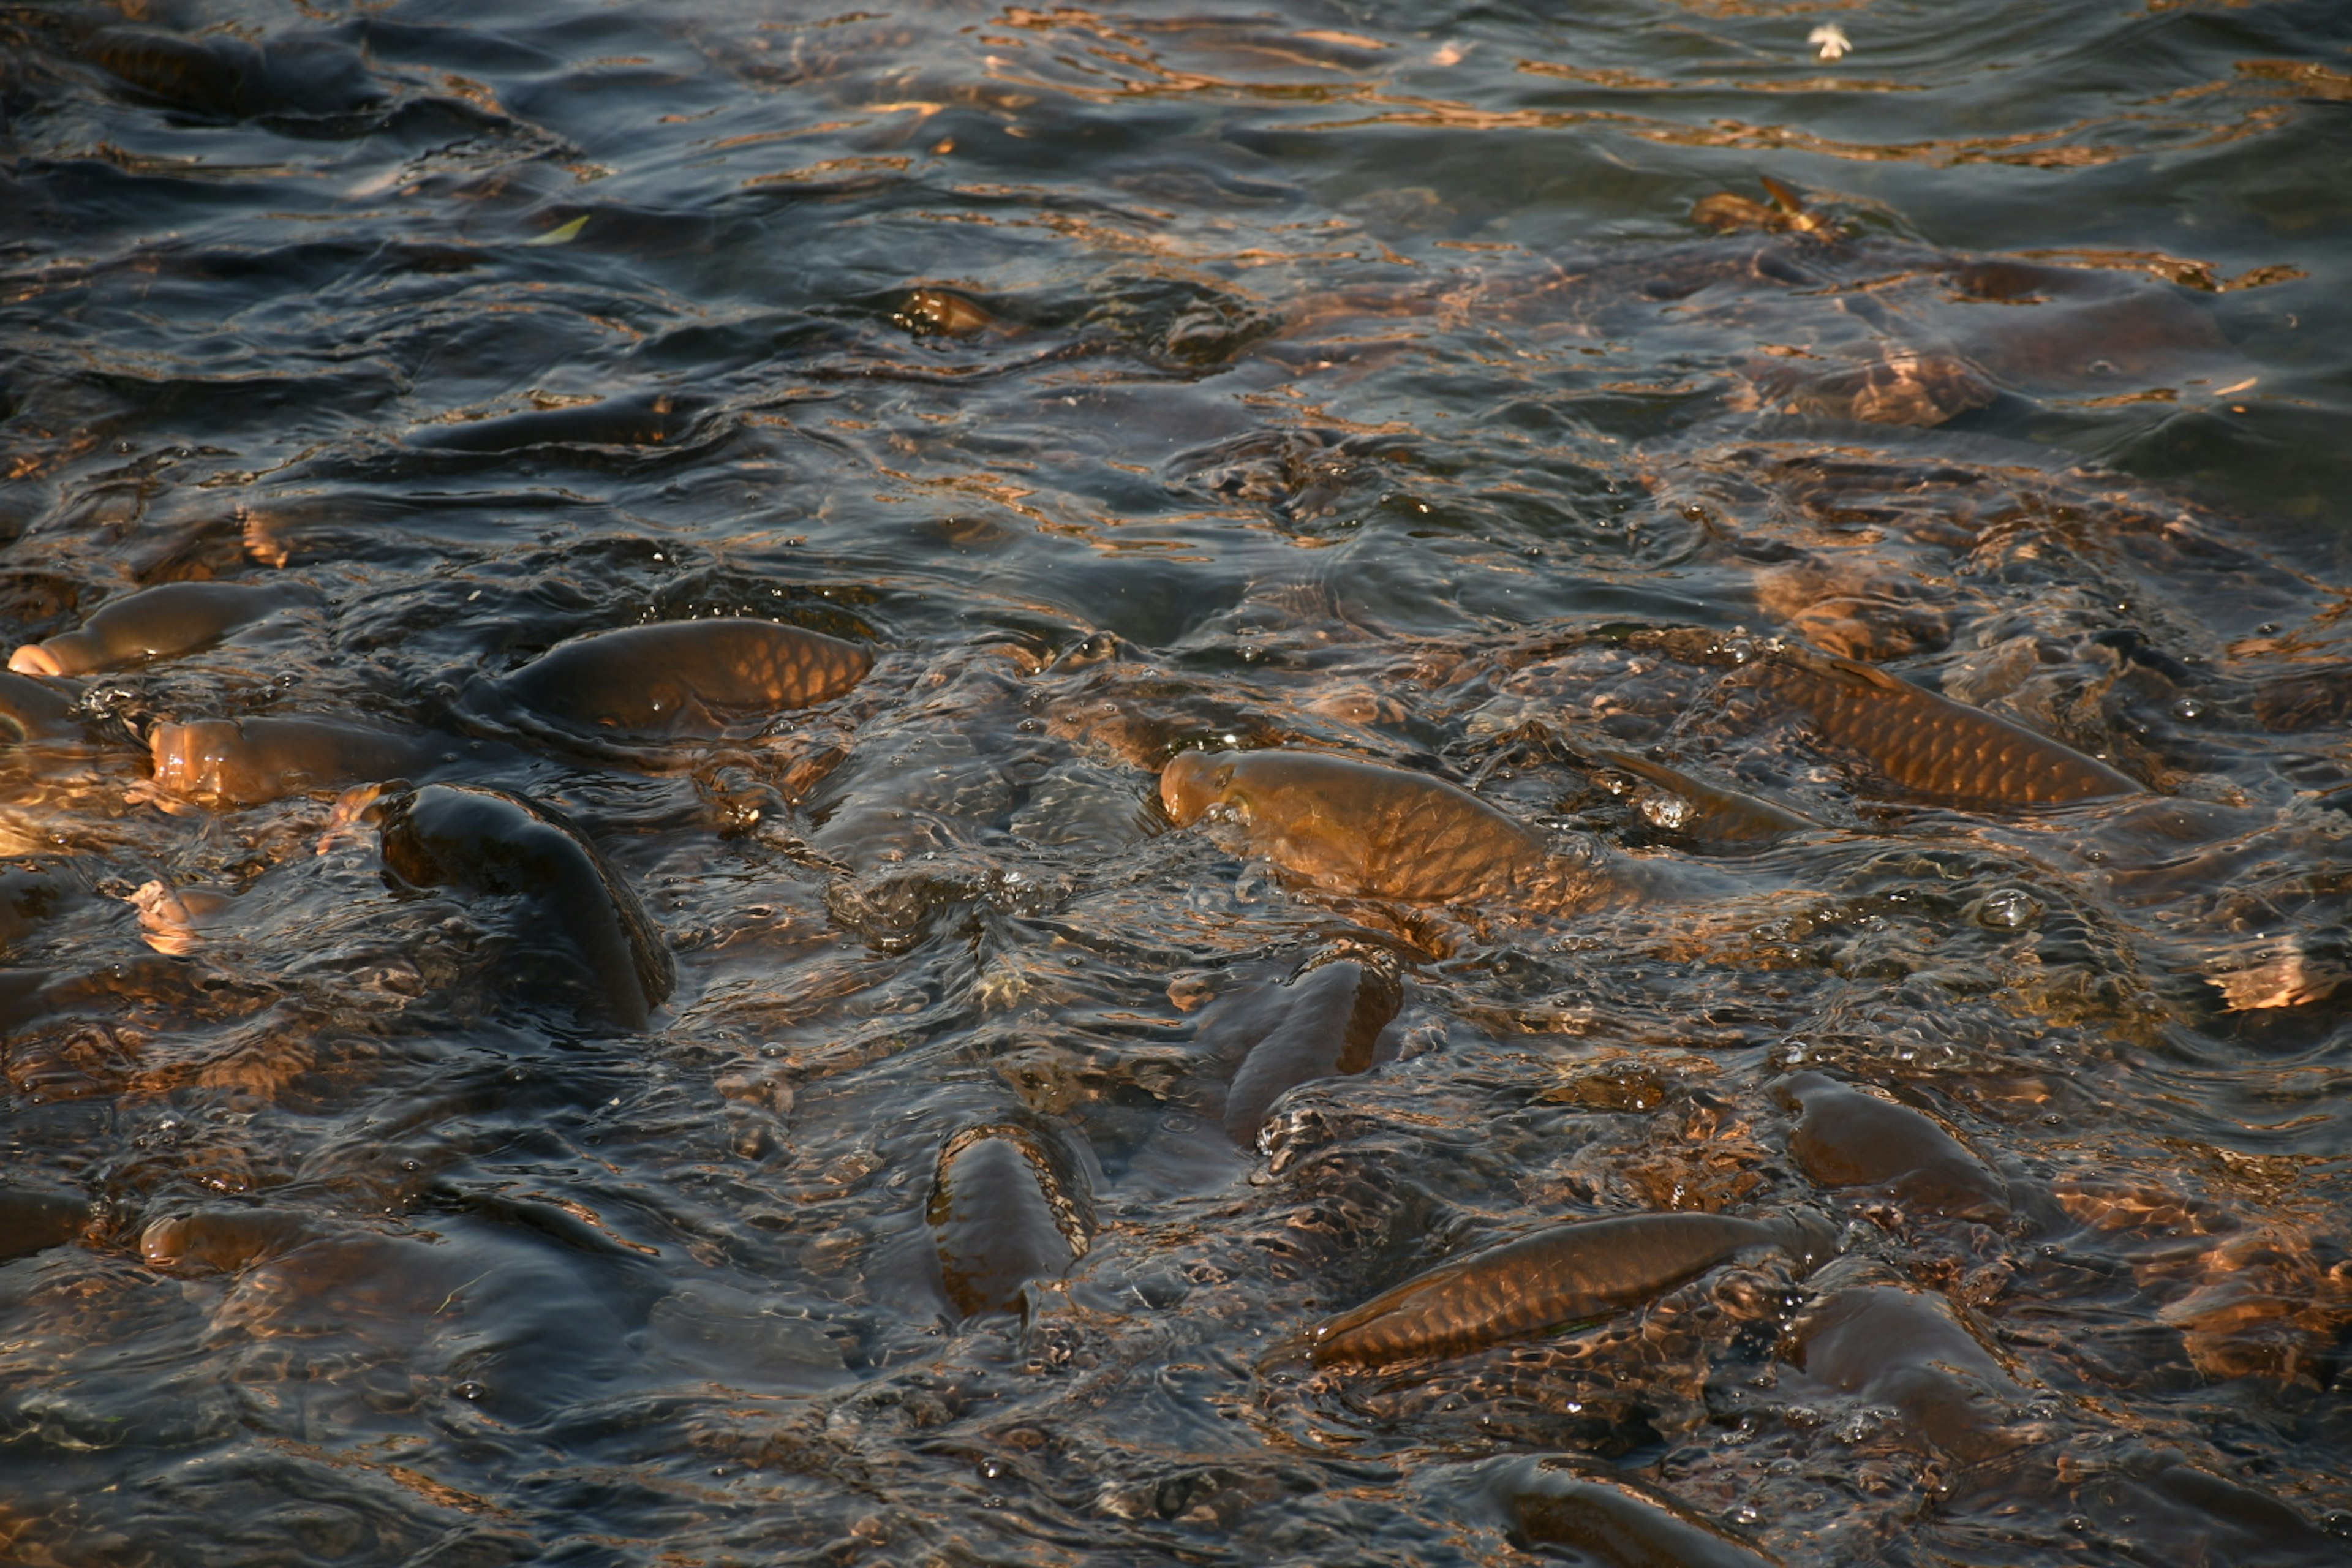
[[220, 1239], [1847, 1138], [1557, 1499], [250, 762], [1565, 1274], [491, 841], [1002, 1213], [642, 419], [684, 679], [34, 1219], [1709, 816], [1362, 827], [1932, 747], [1323, 1024], [942, 312], [1908, 1351], [229, 77], [32, 710], [155, 623]]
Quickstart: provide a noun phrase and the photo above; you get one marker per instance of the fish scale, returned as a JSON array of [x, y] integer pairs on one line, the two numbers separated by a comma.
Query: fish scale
[[1937, 749], [1584, 1269]]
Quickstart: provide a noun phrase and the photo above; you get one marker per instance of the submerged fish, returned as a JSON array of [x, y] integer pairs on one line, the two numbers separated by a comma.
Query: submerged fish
[[34, 1219], [488, 840], [155, 623], [1589, 1268], [1559, 1501], [1323, 1024], [1002, 1213], [944, 312], [226, 76], [1932, 747], [1710, 816], [1907, 1350], [1846, 1138], [684, 679], [34, 710]]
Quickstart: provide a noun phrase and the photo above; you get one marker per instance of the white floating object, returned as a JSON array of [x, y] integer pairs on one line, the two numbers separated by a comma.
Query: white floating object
[[1829, 40]]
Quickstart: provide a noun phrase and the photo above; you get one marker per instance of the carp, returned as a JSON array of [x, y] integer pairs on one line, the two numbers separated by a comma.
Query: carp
[[152, 623], [1587, 1269], [1847, 1138], [1557, 1500], [689, 679], [33, 1220], [489, 841], [250, 762], [1935, 747], [1326, 1022], [1002, 1213]]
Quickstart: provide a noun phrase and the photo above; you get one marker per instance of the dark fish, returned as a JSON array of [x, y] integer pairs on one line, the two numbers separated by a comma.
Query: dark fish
[[685, 677], [33, 710], [1570, 1272], [1324, 1024], [155, 623], [231, 77], [1906, 1350], [454, 836], [942, 312], [1359, 827], [2078, 328], [29, 899], [1920, 389], [1935, 747], [1845, 1138], [2307, 700], [246, 762], [1712, 817], [1557, 1500], [32, 1220], [1002, 1214], [649, 419]]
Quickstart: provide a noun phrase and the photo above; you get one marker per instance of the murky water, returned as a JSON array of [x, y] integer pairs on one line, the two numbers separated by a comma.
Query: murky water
[[832, 1107]]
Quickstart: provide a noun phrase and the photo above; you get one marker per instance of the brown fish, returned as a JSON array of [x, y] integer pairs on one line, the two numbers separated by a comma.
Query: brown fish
[[638, 419], [942, 312], [1589, 1268], [155, 623], [1324, 1024], [33, 710], [1933, 747], [1708, 814], [33, 1219], [246, 762], [1906, 1349], [488, 840], [1001, 1214], [1558, 1500], [1846, 1138], [685, 678], [221, 1240], [1361, 827]]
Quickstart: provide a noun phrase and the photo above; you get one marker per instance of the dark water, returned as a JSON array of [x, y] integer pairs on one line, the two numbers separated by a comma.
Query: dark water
[[1344, 376]]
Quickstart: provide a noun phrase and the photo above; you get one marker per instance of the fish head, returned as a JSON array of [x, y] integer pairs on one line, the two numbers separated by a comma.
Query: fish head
[[1193, 781], [188, 756]]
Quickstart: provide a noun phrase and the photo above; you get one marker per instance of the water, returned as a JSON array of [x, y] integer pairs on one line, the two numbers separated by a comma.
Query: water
[[1342, 376]]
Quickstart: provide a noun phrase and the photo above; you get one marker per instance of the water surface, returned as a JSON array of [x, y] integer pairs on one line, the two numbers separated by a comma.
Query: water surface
[[1375, 379]]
